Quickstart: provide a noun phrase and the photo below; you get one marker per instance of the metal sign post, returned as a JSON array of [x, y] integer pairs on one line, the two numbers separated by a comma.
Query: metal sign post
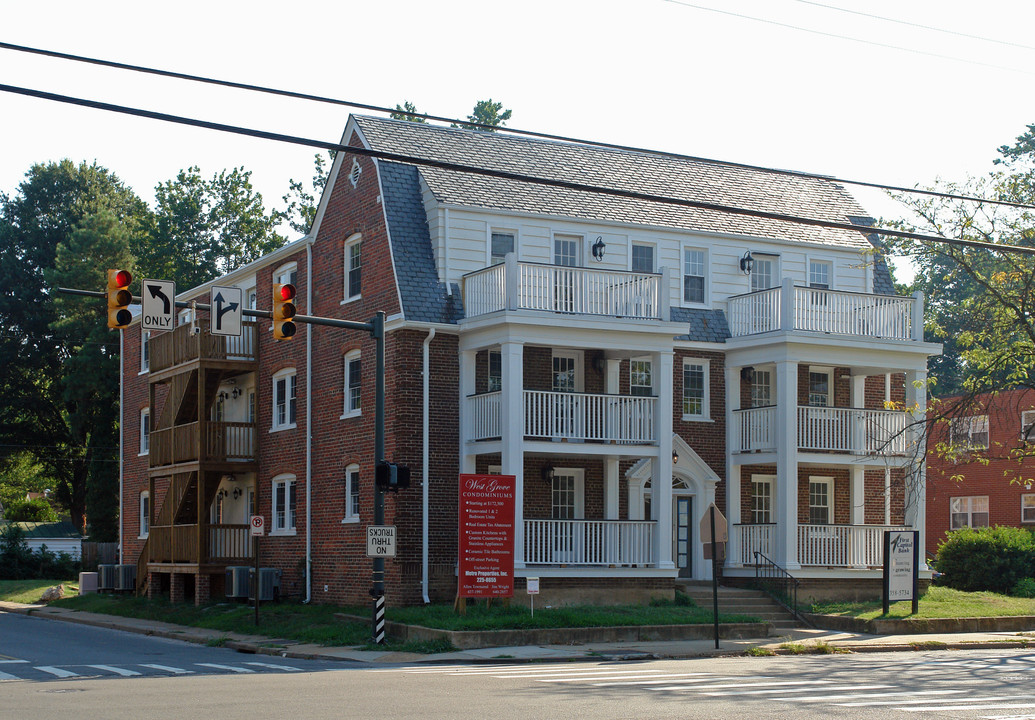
[[257, 527]]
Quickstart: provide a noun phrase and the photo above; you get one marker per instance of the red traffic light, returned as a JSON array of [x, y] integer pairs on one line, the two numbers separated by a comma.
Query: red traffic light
[[123, 278], [287, 292], [119, 298]]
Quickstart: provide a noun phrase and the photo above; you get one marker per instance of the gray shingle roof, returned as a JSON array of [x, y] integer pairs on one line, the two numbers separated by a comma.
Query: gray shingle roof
[[629, 170], [705, 325]]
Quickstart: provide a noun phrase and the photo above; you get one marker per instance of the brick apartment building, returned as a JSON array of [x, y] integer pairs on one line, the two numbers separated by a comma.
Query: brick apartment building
[[630, 361], [981, 481]]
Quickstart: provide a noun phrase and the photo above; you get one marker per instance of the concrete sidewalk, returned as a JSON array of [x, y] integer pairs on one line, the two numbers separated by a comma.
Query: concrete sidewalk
[[259, 644]]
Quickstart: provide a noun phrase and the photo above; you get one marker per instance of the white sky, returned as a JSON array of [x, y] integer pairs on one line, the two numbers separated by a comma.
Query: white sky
[[653, 73]]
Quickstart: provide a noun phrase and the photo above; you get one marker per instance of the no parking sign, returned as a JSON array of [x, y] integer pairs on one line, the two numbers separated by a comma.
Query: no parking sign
[[258, 525]]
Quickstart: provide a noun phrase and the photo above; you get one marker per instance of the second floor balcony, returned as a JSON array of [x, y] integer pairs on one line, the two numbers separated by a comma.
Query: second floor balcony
[[513, 285], [825, 429], [182, 345], [203, 442], [591, 417]]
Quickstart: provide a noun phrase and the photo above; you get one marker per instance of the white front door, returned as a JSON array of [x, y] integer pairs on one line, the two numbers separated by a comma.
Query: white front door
[[567, 383]]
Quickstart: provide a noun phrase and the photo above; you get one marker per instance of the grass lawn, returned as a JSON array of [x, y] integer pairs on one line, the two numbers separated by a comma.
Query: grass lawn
[[30, 591], [318, 624], [937, 602]]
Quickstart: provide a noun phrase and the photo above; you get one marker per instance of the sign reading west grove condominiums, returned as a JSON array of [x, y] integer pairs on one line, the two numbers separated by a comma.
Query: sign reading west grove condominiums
[[487, 536]]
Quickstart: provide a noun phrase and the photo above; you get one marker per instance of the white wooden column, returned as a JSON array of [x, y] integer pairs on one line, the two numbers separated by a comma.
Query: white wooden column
[[661, 474], [916, 479], [858, 490], [512, 437], [732, 469], [786, 549], [468, 375], [611, 487]]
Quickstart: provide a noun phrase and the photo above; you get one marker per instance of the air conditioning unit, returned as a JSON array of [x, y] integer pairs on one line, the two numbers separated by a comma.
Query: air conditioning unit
[[105, 578], [237, 579], [269, 585], [126, 577]]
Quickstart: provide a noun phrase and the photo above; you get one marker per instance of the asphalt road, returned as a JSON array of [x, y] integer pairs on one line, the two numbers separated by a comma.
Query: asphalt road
[[118, 675]]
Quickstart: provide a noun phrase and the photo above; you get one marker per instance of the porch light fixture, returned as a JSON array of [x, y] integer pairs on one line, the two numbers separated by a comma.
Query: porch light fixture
[[237, 492], [548, 473], [598, 249], [675, 457], [747, 263]]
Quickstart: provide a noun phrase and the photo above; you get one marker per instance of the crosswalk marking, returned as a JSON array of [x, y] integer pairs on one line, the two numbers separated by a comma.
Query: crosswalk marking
[[5, 676], [118, 671], [985, 698], [231, 668], [659, 677], [166, 668], [11, 661], [275, 667], [861, 696], [740, 685], [726, 693], [1009, 717], [58, 672], [950, 708], [688, 681]]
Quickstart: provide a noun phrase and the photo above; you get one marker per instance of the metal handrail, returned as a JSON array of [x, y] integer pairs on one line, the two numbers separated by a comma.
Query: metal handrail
[[778, 584]]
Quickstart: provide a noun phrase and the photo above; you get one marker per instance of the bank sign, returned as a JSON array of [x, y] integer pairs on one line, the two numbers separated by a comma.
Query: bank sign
[[900, 564], [487, 536]]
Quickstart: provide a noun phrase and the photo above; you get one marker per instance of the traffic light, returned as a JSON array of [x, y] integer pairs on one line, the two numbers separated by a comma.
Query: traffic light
[[119, 298], [283, 311], [390, 477]]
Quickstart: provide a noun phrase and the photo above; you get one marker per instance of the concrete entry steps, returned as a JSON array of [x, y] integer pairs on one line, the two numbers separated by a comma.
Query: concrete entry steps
[[741, 601]]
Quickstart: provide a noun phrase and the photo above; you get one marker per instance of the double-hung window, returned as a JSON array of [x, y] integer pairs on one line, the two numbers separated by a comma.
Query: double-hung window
[[353, 384], [694, 262], [1028, 426], [641, 381], [501, 243], [763, 270], [761, 499], [353, 267], [145, 431], [145, 350], [968, 512], [284, 399], [351, 493], [761, 388], [821, 495], [284, 504], [695, 389], [495, 371], [970, 433], [642, 258], [145, 514]]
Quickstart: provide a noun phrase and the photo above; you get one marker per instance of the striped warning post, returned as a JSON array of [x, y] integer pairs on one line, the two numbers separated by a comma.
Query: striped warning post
[[379, 619]]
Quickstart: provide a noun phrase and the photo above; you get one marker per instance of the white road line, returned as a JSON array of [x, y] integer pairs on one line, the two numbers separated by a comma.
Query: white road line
[[287, 668], [861, 696], [231, 668], [118, 671], [985, 698], [57, 671], [443, 669], [951, 708], [166, 668], [579, 674], [659, 677], [741, 685], [5, 676], [713, 678], [725, 693], [1009, 717], [11, 662]]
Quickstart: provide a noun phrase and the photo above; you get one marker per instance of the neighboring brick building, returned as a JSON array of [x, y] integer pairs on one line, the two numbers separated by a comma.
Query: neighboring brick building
[[976, 478], [629, 361]]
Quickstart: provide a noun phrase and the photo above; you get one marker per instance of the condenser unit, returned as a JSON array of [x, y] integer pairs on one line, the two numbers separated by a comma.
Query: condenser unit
[[269, 585], [105, 578], [237, 578], [126, 577]]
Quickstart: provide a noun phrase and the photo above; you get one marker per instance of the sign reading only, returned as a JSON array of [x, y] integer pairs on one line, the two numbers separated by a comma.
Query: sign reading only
[[157, 304]]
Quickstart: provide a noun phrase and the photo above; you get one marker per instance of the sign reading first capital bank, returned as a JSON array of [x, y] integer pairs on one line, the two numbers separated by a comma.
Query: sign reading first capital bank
[[486, 561]]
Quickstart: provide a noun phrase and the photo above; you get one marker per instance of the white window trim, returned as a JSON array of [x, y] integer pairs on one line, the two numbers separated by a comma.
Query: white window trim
[[809, 259], [774, 281], [285, 373], [1032, 508], [829, 482], [350, 517], [579, 475], [683, 302], [580, 247], [354, 172], [283, 273], [769, 480], [354, 239], [970, 511], [962, 431], [145, 500], [650, 370], [346, 411], [145, 417], [1027, 418], [145, 359], [829, 372], [706, 402], [654, 256], [499, 230], [285, 531]]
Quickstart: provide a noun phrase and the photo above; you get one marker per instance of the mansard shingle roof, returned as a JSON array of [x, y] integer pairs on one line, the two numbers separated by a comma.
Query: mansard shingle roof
[[628, 170]]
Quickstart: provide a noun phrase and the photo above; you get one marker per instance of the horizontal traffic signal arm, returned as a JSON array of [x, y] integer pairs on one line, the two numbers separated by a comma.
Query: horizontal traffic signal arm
[[309, 319]]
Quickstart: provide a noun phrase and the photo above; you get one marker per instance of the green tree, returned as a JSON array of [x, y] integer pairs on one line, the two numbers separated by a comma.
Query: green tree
[[21, 473], [486, 112], [406, 112], [38, 510], [302, 202]]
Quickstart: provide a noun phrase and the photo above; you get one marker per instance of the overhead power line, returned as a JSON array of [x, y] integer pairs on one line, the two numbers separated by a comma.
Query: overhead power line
[[480, 126], [507, 175]]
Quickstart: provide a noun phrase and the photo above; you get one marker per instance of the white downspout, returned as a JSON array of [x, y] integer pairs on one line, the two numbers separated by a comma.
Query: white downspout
[[309, 425], [425, 462]]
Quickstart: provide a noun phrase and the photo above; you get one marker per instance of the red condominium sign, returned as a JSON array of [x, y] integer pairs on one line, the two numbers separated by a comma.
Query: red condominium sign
[[487, 535]]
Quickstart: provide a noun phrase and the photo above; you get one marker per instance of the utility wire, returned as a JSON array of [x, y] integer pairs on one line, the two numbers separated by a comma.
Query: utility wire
[[480, 126], [918, 25], [507, 175]]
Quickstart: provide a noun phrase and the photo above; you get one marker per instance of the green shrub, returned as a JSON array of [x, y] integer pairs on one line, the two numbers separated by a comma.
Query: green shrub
[[1024, 588], [19, 562], [38, 510], [994, 558]]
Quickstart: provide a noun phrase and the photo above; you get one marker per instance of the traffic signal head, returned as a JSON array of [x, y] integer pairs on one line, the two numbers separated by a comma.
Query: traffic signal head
[[119, 298], [283, 311], [390, 477]]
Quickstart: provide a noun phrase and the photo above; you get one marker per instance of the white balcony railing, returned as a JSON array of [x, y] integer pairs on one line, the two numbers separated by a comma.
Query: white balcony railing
[[859, 546], [573, 416], [790, 308], [825, 429], [554, 288], [589, 542]]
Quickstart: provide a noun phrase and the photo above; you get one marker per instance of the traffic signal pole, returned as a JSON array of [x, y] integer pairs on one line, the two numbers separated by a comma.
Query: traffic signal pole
[[376, 327]]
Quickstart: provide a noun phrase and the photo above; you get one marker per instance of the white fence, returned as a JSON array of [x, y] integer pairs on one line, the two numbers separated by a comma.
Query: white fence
[[589, 542], [847, 546], [755, 429], [555, 288]]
